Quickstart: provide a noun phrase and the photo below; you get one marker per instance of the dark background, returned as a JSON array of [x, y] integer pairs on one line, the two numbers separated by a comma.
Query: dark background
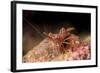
[[37, 22]]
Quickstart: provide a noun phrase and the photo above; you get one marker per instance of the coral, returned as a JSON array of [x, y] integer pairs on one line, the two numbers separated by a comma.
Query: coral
[[63, 46]]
